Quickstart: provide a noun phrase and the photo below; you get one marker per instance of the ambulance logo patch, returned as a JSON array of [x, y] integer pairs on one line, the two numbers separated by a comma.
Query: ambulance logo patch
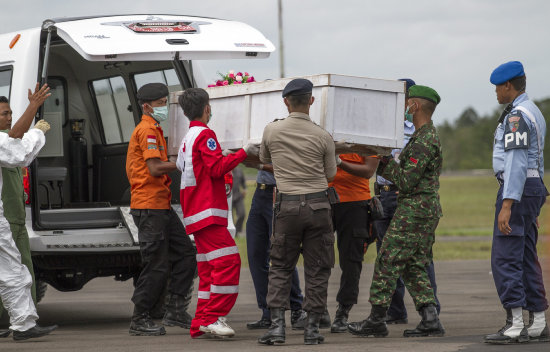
[[211, 144]]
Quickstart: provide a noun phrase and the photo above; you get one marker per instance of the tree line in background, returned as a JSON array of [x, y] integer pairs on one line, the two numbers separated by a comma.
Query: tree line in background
[[467, 142]]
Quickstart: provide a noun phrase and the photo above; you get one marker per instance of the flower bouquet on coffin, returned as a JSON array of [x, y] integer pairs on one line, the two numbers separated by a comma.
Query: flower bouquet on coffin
[[232, 78]]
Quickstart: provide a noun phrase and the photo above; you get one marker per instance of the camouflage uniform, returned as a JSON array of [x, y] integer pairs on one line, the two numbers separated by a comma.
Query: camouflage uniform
[[407, 247]]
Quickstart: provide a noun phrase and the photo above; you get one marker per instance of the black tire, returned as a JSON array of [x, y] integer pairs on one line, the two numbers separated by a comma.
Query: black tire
[[41, 288]]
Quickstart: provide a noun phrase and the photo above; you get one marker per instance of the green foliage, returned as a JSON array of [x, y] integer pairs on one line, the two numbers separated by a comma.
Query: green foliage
[[468, 142]]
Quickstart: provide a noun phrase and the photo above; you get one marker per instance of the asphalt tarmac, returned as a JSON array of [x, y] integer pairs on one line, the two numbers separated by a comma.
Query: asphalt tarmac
[[97, 319]]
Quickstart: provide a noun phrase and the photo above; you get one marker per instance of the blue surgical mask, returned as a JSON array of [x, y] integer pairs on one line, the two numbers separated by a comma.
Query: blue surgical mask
[[160, 113], [408, 116]]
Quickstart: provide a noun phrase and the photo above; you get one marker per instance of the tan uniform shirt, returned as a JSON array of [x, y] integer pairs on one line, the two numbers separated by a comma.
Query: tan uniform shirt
[[302, 154]]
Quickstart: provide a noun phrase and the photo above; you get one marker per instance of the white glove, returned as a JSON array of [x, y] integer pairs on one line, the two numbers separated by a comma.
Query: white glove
[[42, 126], [338, 160], [252, 149], [226, 152]]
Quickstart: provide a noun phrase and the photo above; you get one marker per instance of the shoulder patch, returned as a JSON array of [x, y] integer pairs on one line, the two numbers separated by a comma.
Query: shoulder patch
[[211, 144], [516, 132]]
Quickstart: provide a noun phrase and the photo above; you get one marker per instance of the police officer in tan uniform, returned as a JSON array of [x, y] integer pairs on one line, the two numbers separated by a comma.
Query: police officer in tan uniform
[[302, 154]]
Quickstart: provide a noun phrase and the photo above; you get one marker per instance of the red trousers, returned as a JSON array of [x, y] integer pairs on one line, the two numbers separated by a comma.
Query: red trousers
[[219, 268]]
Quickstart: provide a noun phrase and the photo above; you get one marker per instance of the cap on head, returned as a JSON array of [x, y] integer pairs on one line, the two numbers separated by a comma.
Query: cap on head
[[506, 72], [424, 92], [298, 86], [409, 82], [152, 91]]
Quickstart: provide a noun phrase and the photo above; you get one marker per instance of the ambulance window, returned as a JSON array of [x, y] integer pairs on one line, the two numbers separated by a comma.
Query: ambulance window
[[113, 102], [5, 81], [168, 77], [55, 114]]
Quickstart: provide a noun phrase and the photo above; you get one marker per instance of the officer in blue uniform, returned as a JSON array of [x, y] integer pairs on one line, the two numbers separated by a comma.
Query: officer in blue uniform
[[258, 232], [397, 313], [518, 164]]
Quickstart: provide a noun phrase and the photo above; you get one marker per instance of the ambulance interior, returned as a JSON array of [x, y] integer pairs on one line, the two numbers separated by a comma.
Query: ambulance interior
[[79, 178]]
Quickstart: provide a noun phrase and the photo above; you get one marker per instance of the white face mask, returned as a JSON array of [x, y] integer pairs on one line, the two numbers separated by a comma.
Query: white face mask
[[160, 113]]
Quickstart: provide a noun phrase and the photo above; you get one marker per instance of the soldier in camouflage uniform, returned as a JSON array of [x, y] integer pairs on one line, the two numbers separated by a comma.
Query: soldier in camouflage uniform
[[407, 247]]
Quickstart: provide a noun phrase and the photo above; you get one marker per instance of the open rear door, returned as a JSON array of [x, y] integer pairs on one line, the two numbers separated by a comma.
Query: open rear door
[[145, 37]]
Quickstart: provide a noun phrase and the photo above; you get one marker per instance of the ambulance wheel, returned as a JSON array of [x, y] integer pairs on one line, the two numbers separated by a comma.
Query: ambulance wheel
[[41, 288]]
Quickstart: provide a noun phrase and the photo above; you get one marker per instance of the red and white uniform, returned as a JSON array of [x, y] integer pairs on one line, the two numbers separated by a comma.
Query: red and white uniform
[[204, 205]]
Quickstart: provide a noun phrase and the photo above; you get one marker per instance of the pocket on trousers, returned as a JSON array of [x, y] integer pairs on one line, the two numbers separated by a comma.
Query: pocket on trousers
[[287, 209], [357, 246], [278, 250], [319, 206], [326, 252], [151, 226]]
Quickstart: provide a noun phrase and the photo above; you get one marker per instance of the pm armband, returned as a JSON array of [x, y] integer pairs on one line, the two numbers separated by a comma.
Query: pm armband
[[516, 133]]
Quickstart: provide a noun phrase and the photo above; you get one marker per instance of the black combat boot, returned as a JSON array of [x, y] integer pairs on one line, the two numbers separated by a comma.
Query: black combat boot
[[5, 333], [298, 319], [325, 321], [311, 332], [35, 331], [276, 332], [340, 323], [538, 328], [374, 325], [143, 325], [429, 325], [263, 323], [513, 332], [176, 312]]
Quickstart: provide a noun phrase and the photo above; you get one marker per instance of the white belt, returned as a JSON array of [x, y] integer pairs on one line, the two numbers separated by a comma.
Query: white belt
[[530, 173]]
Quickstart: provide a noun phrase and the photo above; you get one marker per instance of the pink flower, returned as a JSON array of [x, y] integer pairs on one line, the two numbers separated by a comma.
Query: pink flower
[[225, 83], [231, 75], [246, 74], [239, 74], [231, 72], [237, 82], [211, 85], [219, 83], [251, 79]]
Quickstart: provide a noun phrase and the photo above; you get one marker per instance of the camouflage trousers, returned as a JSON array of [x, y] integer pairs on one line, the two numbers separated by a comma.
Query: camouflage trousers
[[406, 251]]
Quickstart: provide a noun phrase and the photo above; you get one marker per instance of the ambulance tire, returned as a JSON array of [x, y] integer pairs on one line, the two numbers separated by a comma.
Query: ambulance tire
[[41, 288]]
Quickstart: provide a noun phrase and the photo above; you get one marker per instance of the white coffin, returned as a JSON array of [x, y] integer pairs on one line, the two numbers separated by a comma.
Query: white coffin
[[365, 112]]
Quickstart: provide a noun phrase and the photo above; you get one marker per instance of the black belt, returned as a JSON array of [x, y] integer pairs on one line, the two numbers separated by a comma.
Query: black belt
[[265, 187], [308, 196], [388, 188]]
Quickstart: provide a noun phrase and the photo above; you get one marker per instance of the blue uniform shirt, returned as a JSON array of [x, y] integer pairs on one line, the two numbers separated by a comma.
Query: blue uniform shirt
[[265, 177], [516, 148], [409, 130]]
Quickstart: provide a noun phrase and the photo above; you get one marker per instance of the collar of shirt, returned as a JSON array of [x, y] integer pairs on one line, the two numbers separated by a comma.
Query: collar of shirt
[[151, 120], [520, 99], [427, 125], [409, 127], [197, 123], [300, 115]]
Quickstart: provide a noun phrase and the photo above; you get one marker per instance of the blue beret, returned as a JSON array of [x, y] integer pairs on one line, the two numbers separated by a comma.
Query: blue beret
[[409, 81], [298, 86], [152, 92], [506, 72]]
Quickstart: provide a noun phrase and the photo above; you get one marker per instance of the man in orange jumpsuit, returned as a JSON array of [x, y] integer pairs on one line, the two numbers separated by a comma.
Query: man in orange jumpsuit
[[165, 247]]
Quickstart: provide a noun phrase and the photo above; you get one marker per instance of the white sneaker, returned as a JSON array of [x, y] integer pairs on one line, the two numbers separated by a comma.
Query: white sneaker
[[218, 328]]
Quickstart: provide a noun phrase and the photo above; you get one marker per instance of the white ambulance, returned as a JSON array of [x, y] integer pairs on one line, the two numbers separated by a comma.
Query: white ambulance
[[79, 194]]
